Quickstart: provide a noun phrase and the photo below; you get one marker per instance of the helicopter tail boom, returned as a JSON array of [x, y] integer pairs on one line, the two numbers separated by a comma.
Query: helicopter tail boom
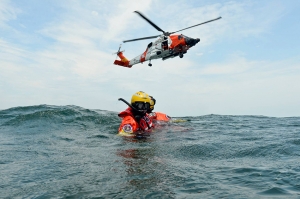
[[123, 62]]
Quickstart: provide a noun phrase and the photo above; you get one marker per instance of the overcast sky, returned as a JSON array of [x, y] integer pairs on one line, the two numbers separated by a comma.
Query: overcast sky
[[60, 53]]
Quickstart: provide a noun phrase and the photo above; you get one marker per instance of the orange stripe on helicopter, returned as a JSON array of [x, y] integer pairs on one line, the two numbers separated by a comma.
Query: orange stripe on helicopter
[[143, 56]]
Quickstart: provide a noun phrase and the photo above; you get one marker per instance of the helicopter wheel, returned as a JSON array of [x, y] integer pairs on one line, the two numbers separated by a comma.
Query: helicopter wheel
[[150, 64], [181, 55]]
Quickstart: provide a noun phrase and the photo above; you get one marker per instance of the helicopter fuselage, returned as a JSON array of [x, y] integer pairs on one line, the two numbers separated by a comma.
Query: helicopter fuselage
[[163, 47]]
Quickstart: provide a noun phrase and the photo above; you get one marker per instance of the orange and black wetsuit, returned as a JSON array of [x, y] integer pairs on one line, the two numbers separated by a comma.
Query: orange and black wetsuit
[[132, 125]]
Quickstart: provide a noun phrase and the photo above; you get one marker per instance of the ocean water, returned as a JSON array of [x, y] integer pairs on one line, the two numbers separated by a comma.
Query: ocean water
[[72, 152]]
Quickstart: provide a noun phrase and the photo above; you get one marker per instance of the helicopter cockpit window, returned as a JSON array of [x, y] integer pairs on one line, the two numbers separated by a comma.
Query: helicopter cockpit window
[[149, 45]]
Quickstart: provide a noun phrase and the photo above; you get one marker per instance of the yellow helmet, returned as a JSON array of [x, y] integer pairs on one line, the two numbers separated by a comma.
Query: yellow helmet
[[140, 96], [140, 100]]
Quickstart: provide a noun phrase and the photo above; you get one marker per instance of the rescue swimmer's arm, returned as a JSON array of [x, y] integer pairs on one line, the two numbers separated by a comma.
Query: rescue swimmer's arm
[[128, 127], [162, 117]]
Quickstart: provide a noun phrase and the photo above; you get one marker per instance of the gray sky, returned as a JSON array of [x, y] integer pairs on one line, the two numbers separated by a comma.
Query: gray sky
[[60, 53]]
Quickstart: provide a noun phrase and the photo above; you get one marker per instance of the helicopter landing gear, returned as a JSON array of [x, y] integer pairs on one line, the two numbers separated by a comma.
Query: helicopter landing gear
[[181, 55], [150, 63]]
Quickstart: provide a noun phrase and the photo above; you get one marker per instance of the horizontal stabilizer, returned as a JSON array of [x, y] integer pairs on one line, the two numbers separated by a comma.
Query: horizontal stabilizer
[[121, 63]]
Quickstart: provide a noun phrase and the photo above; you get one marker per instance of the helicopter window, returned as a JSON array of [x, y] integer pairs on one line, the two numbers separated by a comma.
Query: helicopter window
[[179, 37], [149, 45]]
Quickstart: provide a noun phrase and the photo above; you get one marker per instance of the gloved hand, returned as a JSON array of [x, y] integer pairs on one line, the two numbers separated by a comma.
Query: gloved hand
[[152, 115], [145, 123]]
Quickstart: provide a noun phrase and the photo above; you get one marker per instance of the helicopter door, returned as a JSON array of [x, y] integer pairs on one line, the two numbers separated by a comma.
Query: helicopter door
[[164, 44]]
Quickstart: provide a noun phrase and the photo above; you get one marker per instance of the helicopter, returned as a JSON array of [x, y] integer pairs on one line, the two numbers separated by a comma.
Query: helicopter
[[167, 45]]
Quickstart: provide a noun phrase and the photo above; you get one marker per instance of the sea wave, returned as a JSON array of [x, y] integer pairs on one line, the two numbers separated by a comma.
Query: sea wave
[[69, 151]]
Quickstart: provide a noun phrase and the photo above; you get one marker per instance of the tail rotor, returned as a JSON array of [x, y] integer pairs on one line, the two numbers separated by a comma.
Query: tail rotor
[[118, 51], [124, 61]]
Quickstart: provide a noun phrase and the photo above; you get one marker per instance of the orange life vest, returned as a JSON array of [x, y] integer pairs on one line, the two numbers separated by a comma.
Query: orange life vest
[[130, 126]]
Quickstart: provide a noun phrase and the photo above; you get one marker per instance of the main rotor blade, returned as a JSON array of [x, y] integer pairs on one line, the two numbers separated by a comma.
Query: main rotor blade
[[153, 24], [151, 37], [198, 24]]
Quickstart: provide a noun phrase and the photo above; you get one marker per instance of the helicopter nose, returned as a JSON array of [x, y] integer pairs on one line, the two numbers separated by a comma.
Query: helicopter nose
[[191, 42]]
